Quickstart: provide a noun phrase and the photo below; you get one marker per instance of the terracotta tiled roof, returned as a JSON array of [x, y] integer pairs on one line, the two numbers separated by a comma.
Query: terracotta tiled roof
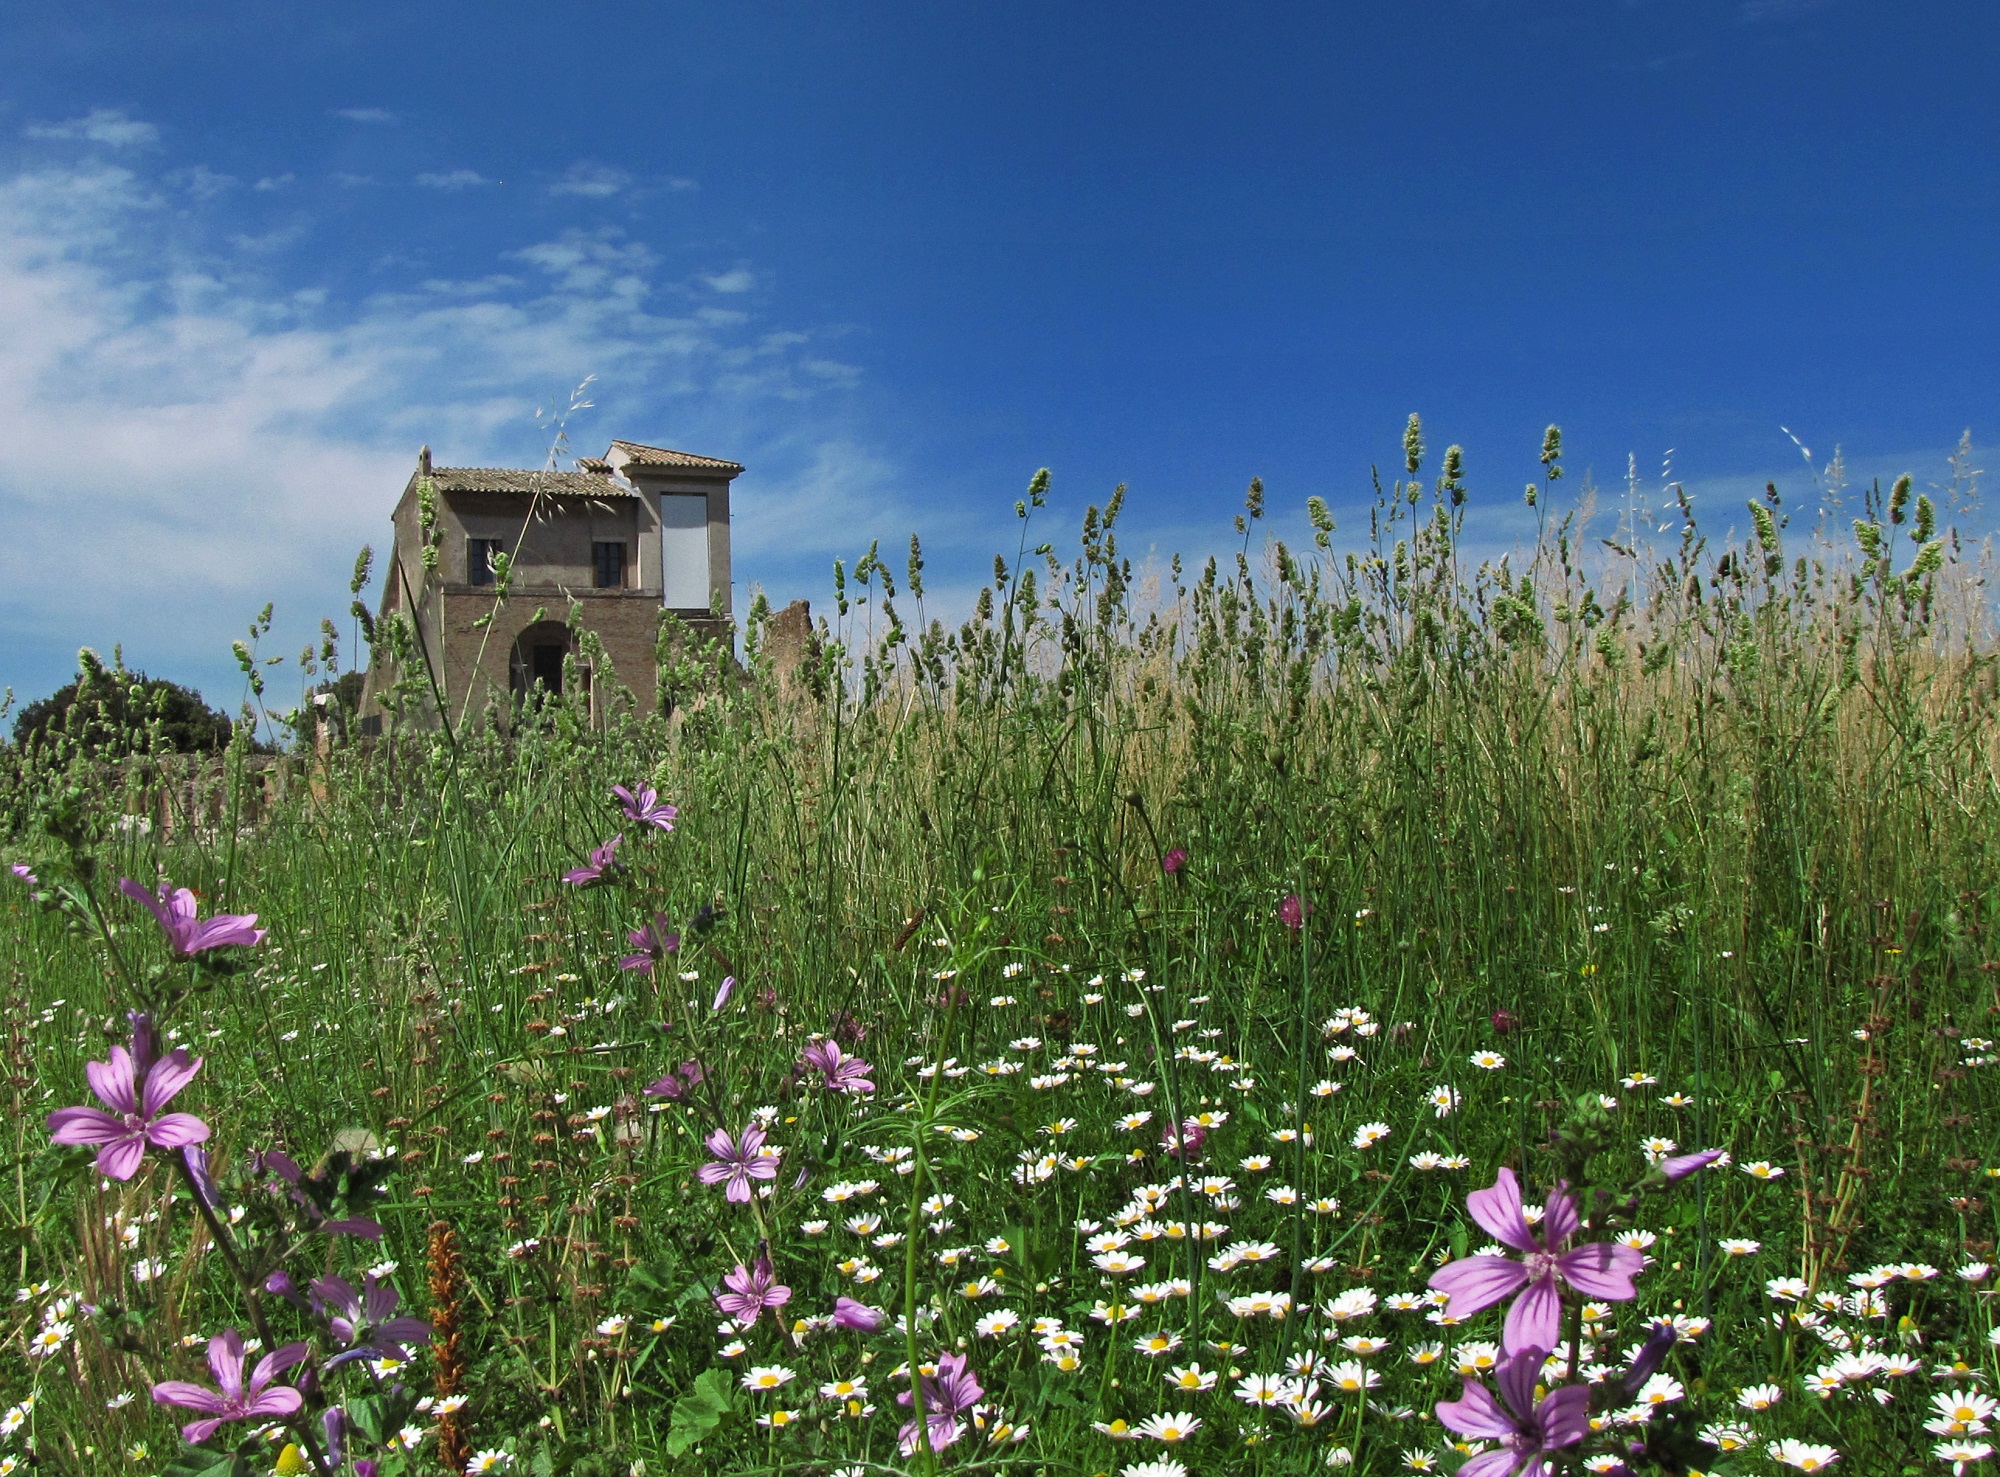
[[509, 479], [660, 456]]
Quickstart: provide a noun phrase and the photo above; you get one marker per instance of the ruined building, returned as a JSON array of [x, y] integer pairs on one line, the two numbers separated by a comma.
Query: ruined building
[[488, 564]]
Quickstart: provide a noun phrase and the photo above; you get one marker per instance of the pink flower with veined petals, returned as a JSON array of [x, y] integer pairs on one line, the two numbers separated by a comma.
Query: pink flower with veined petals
[[645, 808], [750, 1291], [948, 1394], [838, 1071], [233, 1400], [737, 1162], [1599, 1269], [603, 864], [135, 1085], [188, 934], [1525, 1428]]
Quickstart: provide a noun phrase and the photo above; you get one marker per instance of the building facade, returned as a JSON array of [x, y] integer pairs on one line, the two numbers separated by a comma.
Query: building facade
[[488, 563]]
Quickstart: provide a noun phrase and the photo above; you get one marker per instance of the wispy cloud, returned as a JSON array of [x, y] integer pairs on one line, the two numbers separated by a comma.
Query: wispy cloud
[[457, 179], [365, 115], [242, 437], [202, 182], [591, 181], [738, 279], [111, 126]]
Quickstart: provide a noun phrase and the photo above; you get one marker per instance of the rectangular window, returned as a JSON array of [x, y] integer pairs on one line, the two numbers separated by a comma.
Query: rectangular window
[[610, 562], [479, 554], [684, 551]]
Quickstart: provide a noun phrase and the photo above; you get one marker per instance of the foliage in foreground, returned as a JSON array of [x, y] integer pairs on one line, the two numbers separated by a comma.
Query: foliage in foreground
[[1110, 1007]]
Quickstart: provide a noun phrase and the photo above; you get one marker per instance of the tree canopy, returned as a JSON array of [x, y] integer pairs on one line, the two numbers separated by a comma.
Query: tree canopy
[[110, 712]]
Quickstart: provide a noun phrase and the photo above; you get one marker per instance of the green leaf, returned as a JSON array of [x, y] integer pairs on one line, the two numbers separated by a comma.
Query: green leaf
[[698, 1412], [195, 1461]]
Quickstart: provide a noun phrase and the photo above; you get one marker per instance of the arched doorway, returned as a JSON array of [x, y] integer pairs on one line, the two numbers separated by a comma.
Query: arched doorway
[[536, 669]]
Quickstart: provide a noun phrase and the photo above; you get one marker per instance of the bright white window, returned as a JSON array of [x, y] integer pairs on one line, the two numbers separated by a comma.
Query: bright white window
[[684, 550]]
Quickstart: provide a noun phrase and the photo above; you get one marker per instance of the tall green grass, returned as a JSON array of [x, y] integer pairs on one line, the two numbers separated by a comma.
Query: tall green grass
[[1721, 812]]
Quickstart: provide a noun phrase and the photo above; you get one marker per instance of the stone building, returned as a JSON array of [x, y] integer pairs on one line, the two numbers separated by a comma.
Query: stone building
[[625, 539]]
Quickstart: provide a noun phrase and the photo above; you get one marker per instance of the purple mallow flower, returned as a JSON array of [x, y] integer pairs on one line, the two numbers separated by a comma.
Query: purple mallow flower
[[750, 1291], [273, 1161], [190, 935], [1294, 911], [602, 864], [1599, 1269], [651, 945], [678, 1083], [857, 1317], [365, 1321], [948, 1394], [1680, 1166], [737, 1161], [233, 1400], [838, 1071], [1525, 1429], [644, 808], [135, 1085]]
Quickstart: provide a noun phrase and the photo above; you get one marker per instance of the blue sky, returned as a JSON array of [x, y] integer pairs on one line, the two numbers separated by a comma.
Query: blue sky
[[895, 257]]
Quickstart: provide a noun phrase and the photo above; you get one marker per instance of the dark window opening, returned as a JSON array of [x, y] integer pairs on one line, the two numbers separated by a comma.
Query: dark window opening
[[545, 669], [479, 554], [610, 559]]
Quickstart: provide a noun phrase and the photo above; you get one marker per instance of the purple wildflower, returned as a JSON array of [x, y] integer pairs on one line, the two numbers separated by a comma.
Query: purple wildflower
[[1294, 911], [274, 1161], [135, 1085], [1504, 1020], [26, 874], [1174, 862], [752, 1289], [233, 1400], [838, 1071], [1680, 1166], [857, 1317], [737, 1161], [645, 809], [365, 1321], [678, 1083], [1185, 1140], [602, 864], [722, 994], [1525, 1429], [948, 1394], [1600, 1269], [188, 934], [653, 942]]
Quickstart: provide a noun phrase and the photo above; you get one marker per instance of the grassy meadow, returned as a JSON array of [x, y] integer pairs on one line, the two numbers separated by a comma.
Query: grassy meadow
[[1208, 934]]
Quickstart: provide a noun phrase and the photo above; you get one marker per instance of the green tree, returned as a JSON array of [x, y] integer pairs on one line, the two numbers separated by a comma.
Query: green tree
[[109, 712]]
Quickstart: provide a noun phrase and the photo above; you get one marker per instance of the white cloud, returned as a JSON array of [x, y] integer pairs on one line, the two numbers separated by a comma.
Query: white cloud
[[457, 179], [202, 182], [273, 182], [365, 115], [188, 439], [111, 126], [740, 279], [592, 181]]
